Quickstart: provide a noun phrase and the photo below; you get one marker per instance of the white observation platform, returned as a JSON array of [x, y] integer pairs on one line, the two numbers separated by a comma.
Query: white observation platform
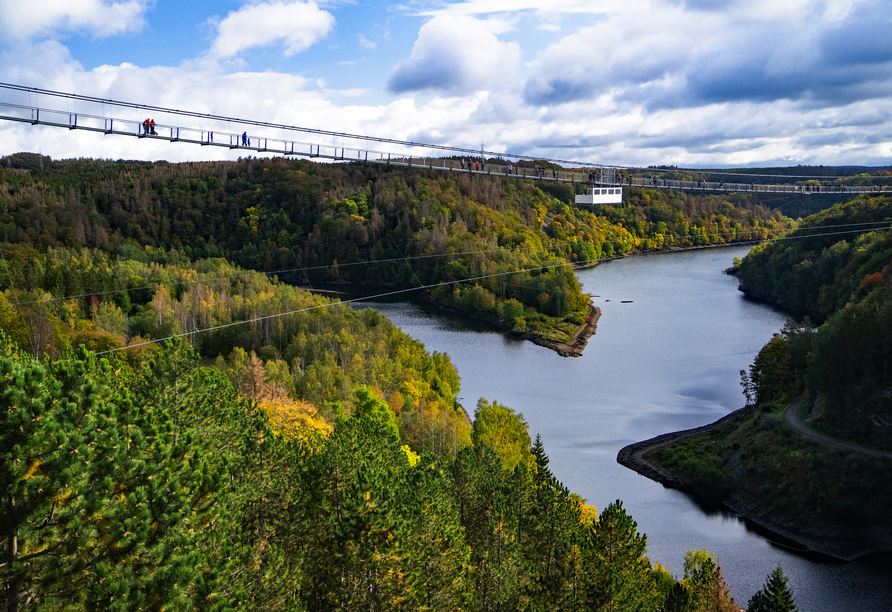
[[601, 195]]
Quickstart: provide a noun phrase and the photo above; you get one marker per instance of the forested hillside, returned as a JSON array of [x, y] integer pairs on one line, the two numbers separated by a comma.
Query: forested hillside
[[837, 376], [180, 431], [295, 365], [364, 223], [149, 483], [819, 275], [844, 366]]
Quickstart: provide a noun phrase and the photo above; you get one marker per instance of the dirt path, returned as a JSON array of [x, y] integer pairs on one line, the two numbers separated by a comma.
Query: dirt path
[[834, 541], [796, 423]]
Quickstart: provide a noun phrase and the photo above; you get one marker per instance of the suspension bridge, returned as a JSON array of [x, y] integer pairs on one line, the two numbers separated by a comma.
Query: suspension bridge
[[39, 107]]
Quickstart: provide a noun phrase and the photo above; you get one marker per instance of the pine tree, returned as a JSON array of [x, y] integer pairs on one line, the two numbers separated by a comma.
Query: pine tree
[[679, 599], [99, 508], [493, 504], [551, 533], [352, 510], [775, 595], [618, 569]]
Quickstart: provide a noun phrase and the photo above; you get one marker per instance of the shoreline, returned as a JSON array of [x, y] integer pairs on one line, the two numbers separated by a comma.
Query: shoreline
[[580, 338], [824, 542], [572, 348]]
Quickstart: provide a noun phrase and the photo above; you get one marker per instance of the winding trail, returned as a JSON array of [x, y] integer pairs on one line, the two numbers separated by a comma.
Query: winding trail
[[833, 541], [792, 414]]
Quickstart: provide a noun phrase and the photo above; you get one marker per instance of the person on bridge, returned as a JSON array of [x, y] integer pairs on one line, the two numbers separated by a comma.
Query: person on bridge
[[152, 127], [245, 139]]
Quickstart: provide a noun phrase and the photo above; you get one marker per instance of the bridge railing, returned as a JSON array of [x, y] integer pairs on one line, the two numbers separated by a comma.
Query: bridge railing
[[508, 169], [754, 187], [220, 132]]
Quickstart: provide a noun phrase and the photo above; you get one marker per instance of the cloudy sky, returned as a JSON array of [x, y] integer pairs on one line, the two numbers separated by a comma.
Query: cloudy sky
[[627, 82]]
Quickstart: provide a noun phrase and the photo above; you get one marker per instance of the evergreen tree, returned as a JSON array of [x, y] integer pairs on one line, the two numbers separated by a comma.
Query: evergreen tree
[[618, 570], [550, 537], [775, 595], [679, 599], [99, 507]]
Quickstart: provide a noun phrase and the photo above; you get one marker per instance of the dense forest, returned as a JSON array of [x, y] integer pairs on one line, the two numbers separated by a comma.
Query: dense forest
[[837, 376], [180, 430], [495, 247], [843, 367], [300, 363], [147, 482]]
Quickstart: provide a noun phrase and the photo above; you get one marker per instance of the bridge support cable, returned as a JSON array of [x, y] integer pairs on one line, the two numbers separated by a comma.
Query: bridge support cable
[[17, 105], [20, 97]]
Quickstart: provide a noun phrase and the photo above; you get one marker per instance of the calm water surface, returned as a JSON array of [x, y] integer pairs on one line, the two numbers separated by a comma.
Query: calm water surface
[[669, 360]]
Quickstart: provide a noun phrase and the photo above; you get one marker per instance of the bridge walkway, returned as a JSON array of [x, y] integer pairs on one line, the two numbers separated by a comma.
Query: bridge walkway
[[286, 145]]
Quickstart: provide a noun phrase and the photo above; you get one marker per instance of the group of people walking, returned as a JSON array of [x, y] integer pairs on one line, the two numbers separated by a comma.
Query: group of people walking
[[148, 127], [472, 165], [467, 164]]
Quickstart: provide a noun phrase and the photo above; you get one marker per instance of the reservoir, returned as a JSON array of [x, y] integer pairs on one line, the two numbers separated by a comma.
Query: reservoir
[[667, 359]]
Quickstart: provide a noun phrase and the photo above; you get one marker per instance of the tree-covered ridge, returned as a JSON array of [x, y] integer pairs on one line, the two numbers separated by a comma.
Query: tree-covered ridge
[[151, 484], [837, 376], [319, 354], [842, 368], [362, 223], [321, 464], [819, 275]]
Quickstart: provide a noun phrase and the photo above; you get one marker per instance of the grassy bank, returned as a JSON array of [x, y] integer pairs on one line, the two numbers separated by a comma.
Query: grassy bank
[[757, 461]]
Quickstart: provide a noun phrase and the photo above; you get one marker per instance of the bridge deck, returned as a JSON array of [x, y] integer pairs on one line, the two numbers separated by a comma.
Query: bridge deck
[[261, 143]]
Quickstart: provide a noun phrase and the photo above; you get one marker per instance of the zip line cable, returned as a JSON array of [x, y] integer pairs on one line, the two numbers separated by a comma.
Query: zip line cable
[[403, 257], [390, 293], [208, 281], [31, 337], [326, 305], [381, 295]]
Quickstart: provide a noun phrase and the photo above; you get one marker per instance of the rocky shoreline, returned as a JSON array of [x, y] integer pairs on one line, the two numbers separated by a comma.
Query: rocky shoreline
[[830, 542], [580, 338]]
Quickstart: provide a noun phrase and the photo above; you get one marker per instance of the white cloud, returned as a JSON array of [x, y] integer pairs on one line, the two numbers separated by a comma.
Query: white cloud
[[489, 7], [296, 24], [99, 18], [597, 129], [706, 86], [761, 50], [458, 54]]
